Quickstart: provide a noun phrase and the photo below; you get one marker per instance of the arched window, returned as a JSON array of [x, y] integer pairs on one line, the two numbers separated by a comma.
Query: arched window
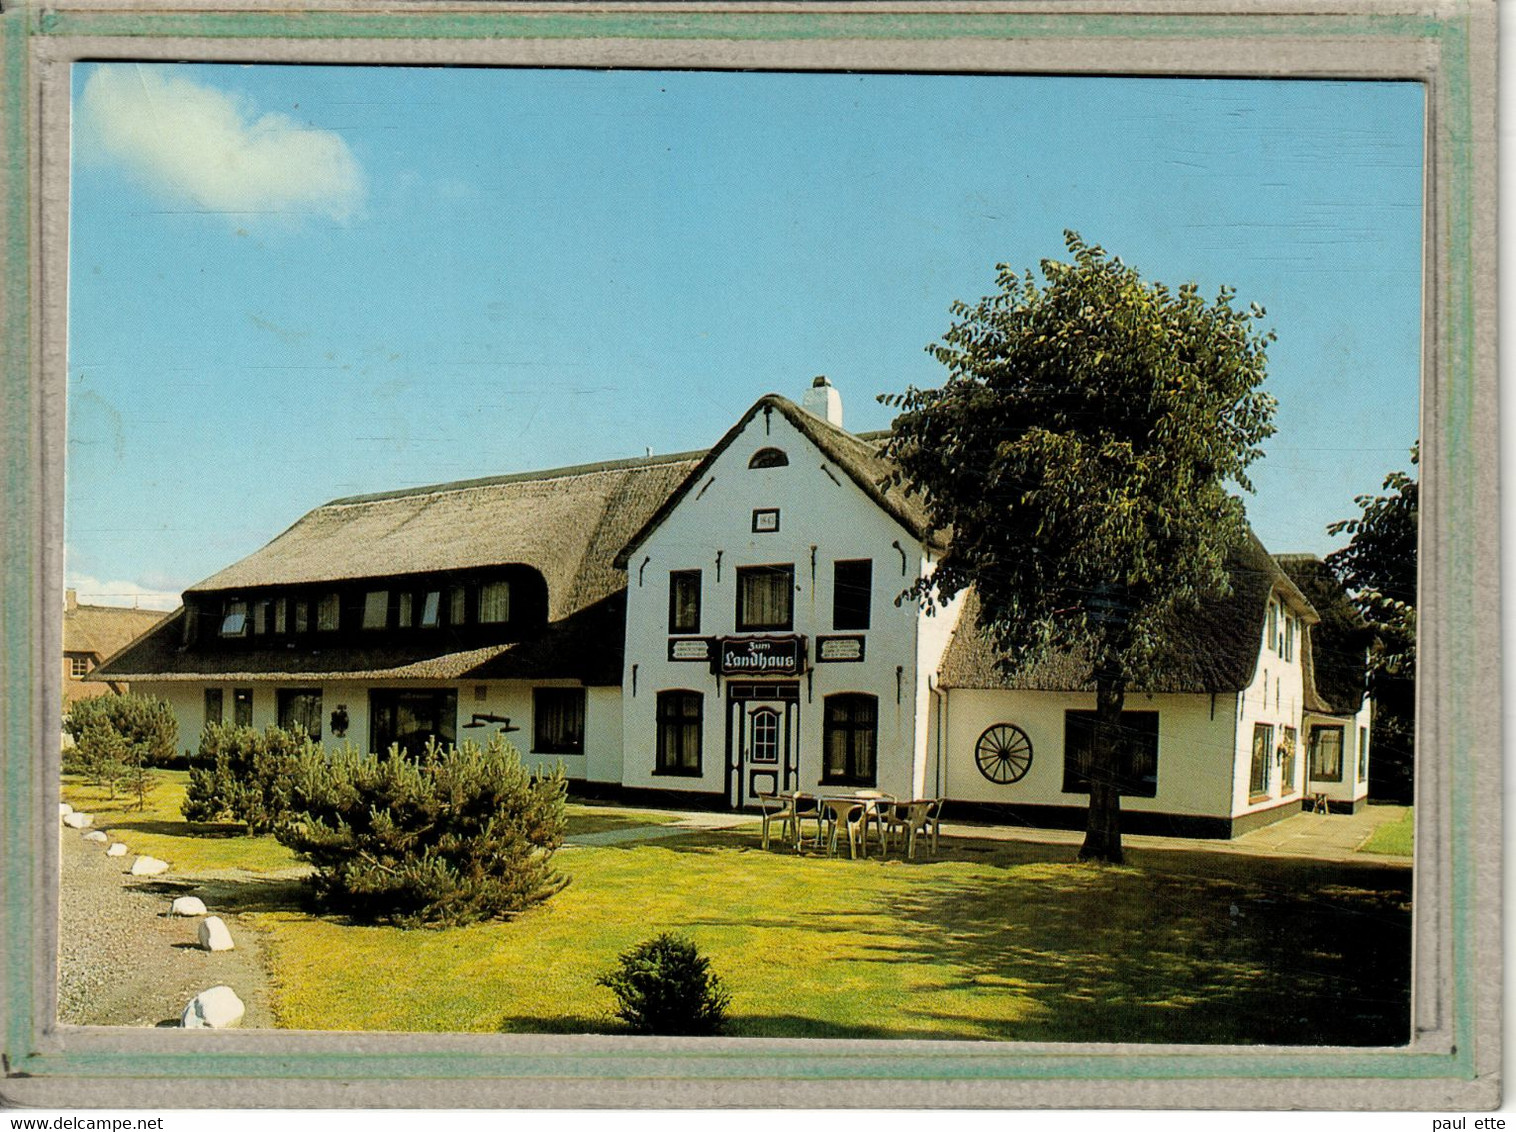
[[769, 458], [850, 739]]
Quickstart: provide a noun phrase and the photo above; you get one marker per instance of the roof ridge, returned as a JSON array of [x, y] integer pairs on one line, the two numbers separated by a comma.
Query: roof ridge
[[572, 471]]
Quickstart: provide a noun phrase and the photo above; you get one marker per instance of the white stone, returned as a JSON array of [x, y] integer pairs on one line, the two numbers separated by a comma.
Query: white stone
[[116, 850], [215, 1009], [187, 906], [95, 835], [75, 820], [148, 867], [214, 936], [64, 809]]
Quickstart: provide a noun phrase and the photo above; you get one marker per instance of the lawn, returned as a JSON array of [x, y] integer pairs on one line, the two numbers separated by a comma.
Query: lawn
[[999, 941], [1396, 838]]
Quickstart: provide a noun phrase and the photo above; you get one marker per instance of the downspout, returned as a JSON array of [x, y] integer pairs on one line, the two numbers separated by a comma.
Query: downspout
[[941, 697]]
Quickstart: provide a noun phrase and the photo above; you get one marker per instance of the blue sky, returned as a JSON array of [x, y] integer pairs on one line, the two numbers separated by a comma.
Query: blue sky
[[289, 284]]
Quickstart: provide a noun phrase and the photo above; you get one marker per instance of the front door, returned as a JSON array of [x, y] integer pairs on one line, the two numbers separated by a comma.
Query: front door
[[763, 756]]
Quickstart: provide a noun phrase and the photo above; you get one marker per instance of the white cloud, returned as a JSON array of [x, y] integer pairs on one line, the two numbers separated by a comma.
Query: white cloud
[[93, 591], [216, 151]]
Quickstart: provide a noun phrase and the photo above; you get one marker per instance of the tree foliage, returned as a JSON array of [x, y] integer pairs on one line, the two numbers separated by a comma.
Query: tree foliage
[[461, 834], [1084, 452], [118, 738], [665, 986], [1378, 569], [243, 775]]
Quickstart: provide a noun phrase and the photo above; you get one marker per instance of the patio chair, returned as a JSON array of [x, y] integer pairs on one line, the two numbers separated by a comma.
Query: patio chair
[[778, 808], [808, 808], [913, 819], [846, 813], [877, 806]]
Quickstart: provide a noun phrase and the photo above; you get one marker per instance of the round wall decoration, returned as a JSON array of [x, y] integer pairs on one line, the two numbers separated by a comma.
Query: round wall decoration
[[1003, 753]]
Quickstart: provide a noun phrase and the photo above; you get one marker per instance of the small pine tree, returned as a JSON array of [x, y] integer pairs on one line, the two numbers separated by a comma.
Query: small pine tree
[[665, 986], [461, 834], [117, 738], [239, 774]]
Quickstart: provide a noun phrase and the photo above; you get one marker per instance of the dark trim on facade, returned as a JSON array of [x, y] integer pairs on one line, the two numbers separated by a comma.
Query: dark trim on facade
[[582, 790], [1132, 821], [1246, 823]]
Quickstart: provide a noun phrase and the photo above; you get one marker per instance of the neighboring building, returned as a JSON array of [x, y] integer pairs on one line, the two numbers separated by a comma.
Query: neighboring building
[[92, 634], [718, 624], [1339, 715]]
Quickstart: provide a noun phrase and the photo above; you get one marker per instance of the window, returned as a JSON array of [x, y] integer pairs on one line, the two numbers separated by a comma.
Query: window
[[376, 609], [408, 717], [1363, 754], [850, 739], [1289, 637], [1136, 753], [852, 593], [558, 721], [262, 616], [281, 616], [1326, 754], [302, 617], [684, 601], [78, 664], [494, 602], [1273, 629], [328, 611], [213, 705], [679, 732], [403, 615], [769, 458], [431, 609], [242, 707], [1263, 759], [301, 708], [765, 597], [234, 619], [1287, 765], [456, 605]]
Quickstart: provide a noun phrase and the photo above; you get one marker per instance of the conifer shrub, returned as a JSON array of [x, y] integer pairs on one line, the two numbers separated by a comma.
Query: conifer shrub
[[242, 775], [665, 986], [458, 835], [117, 738]]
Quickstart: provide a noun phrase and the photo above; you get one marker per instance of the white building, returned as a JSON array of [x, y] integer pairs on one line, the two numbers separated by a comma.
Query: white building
[[704, 627]]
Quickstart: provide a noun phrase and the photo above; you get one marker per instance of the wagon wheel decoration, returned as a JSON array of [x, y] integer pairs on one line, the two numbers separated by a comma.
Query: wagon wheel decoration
[[1004, 753]]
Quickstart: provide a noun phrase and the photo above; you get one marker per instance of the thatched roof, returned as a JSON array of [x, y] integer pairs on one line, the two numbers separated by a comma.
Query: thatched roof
[[1211, 649], [1337, 659], [567, 524], [858, 456], [102, 630]]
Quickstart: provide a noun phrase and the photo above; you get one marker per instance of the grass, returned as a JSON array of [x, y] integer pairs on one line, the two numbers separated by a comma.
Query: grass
[[1396, 838], [990, 940]]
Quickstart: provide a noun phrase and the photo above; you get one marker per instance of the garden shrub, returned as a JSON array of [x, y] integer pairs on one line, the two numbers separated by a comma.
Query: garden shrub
[[665, 986], [117, 738], [243, 775], [457, 835]]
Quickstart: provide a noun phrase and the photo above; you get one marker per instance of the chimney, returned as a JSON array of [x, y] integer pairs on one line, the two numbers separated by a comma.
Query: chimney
[[70, 600], [822, 400]]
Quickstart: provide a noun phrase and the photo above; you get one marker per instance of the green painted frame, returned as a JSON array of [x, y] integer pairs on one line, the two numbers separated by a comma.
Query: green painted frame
[[1447, 44]]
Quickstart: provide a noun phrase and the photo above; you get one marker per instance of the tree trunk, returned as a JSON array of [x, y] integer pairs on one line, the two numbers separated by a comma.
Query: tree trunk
[[1102, 836]]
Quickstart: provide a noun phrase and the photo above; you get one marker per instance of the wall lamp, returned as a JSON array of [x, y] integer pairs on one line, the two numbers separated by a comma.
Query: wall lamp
[[484, 718]]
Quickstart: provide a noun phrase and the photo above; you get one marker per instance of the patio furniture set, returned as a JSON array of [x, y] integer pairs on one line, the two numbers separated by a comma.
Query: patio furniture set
[[851, 817]]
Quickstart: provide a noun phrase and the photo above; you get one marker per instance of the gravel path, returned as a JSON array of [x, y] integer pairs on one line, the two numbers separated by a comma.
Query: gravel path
[[124, 961]]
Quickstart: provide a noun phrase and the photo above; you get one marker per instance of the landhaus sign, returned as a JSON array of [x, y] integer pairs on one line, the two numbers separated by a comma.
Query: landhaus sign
[[762, 656]]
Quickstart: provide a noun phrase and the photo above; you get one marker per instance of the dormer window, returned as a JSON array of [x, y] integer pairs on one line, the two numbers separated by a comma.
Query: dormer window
[[234, 619], [431, 609], [769, 458], [327, 613], [376, 609], [494, 603]]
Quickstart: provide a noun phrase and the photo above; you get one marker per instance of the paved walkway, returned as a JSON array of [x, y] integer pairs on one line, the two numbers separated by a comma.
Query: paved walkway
[[1321, 837]]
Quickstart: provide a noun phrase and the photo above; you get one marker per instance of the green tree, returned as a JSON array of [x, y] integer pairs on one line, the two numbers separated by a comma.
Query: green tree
[[1083, 452], [117, 738], [1378, 569]]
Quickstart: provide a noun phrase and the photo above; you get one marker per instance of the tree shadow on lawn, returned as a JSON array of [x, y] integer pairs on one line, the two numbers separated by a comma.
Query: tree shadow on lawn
[[210, 830], [1272, 952], [236, 895]]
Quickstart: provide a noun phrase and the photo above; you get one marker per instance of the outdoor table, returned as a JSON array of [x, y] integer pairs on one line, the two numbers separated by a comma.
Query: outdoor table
[[869, 802]]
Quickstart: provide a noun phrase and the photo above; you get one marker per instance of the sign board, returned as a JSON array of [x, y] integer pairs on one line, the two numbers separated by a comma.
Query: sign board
[[762, 656], [838, 649], [690, 648]]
